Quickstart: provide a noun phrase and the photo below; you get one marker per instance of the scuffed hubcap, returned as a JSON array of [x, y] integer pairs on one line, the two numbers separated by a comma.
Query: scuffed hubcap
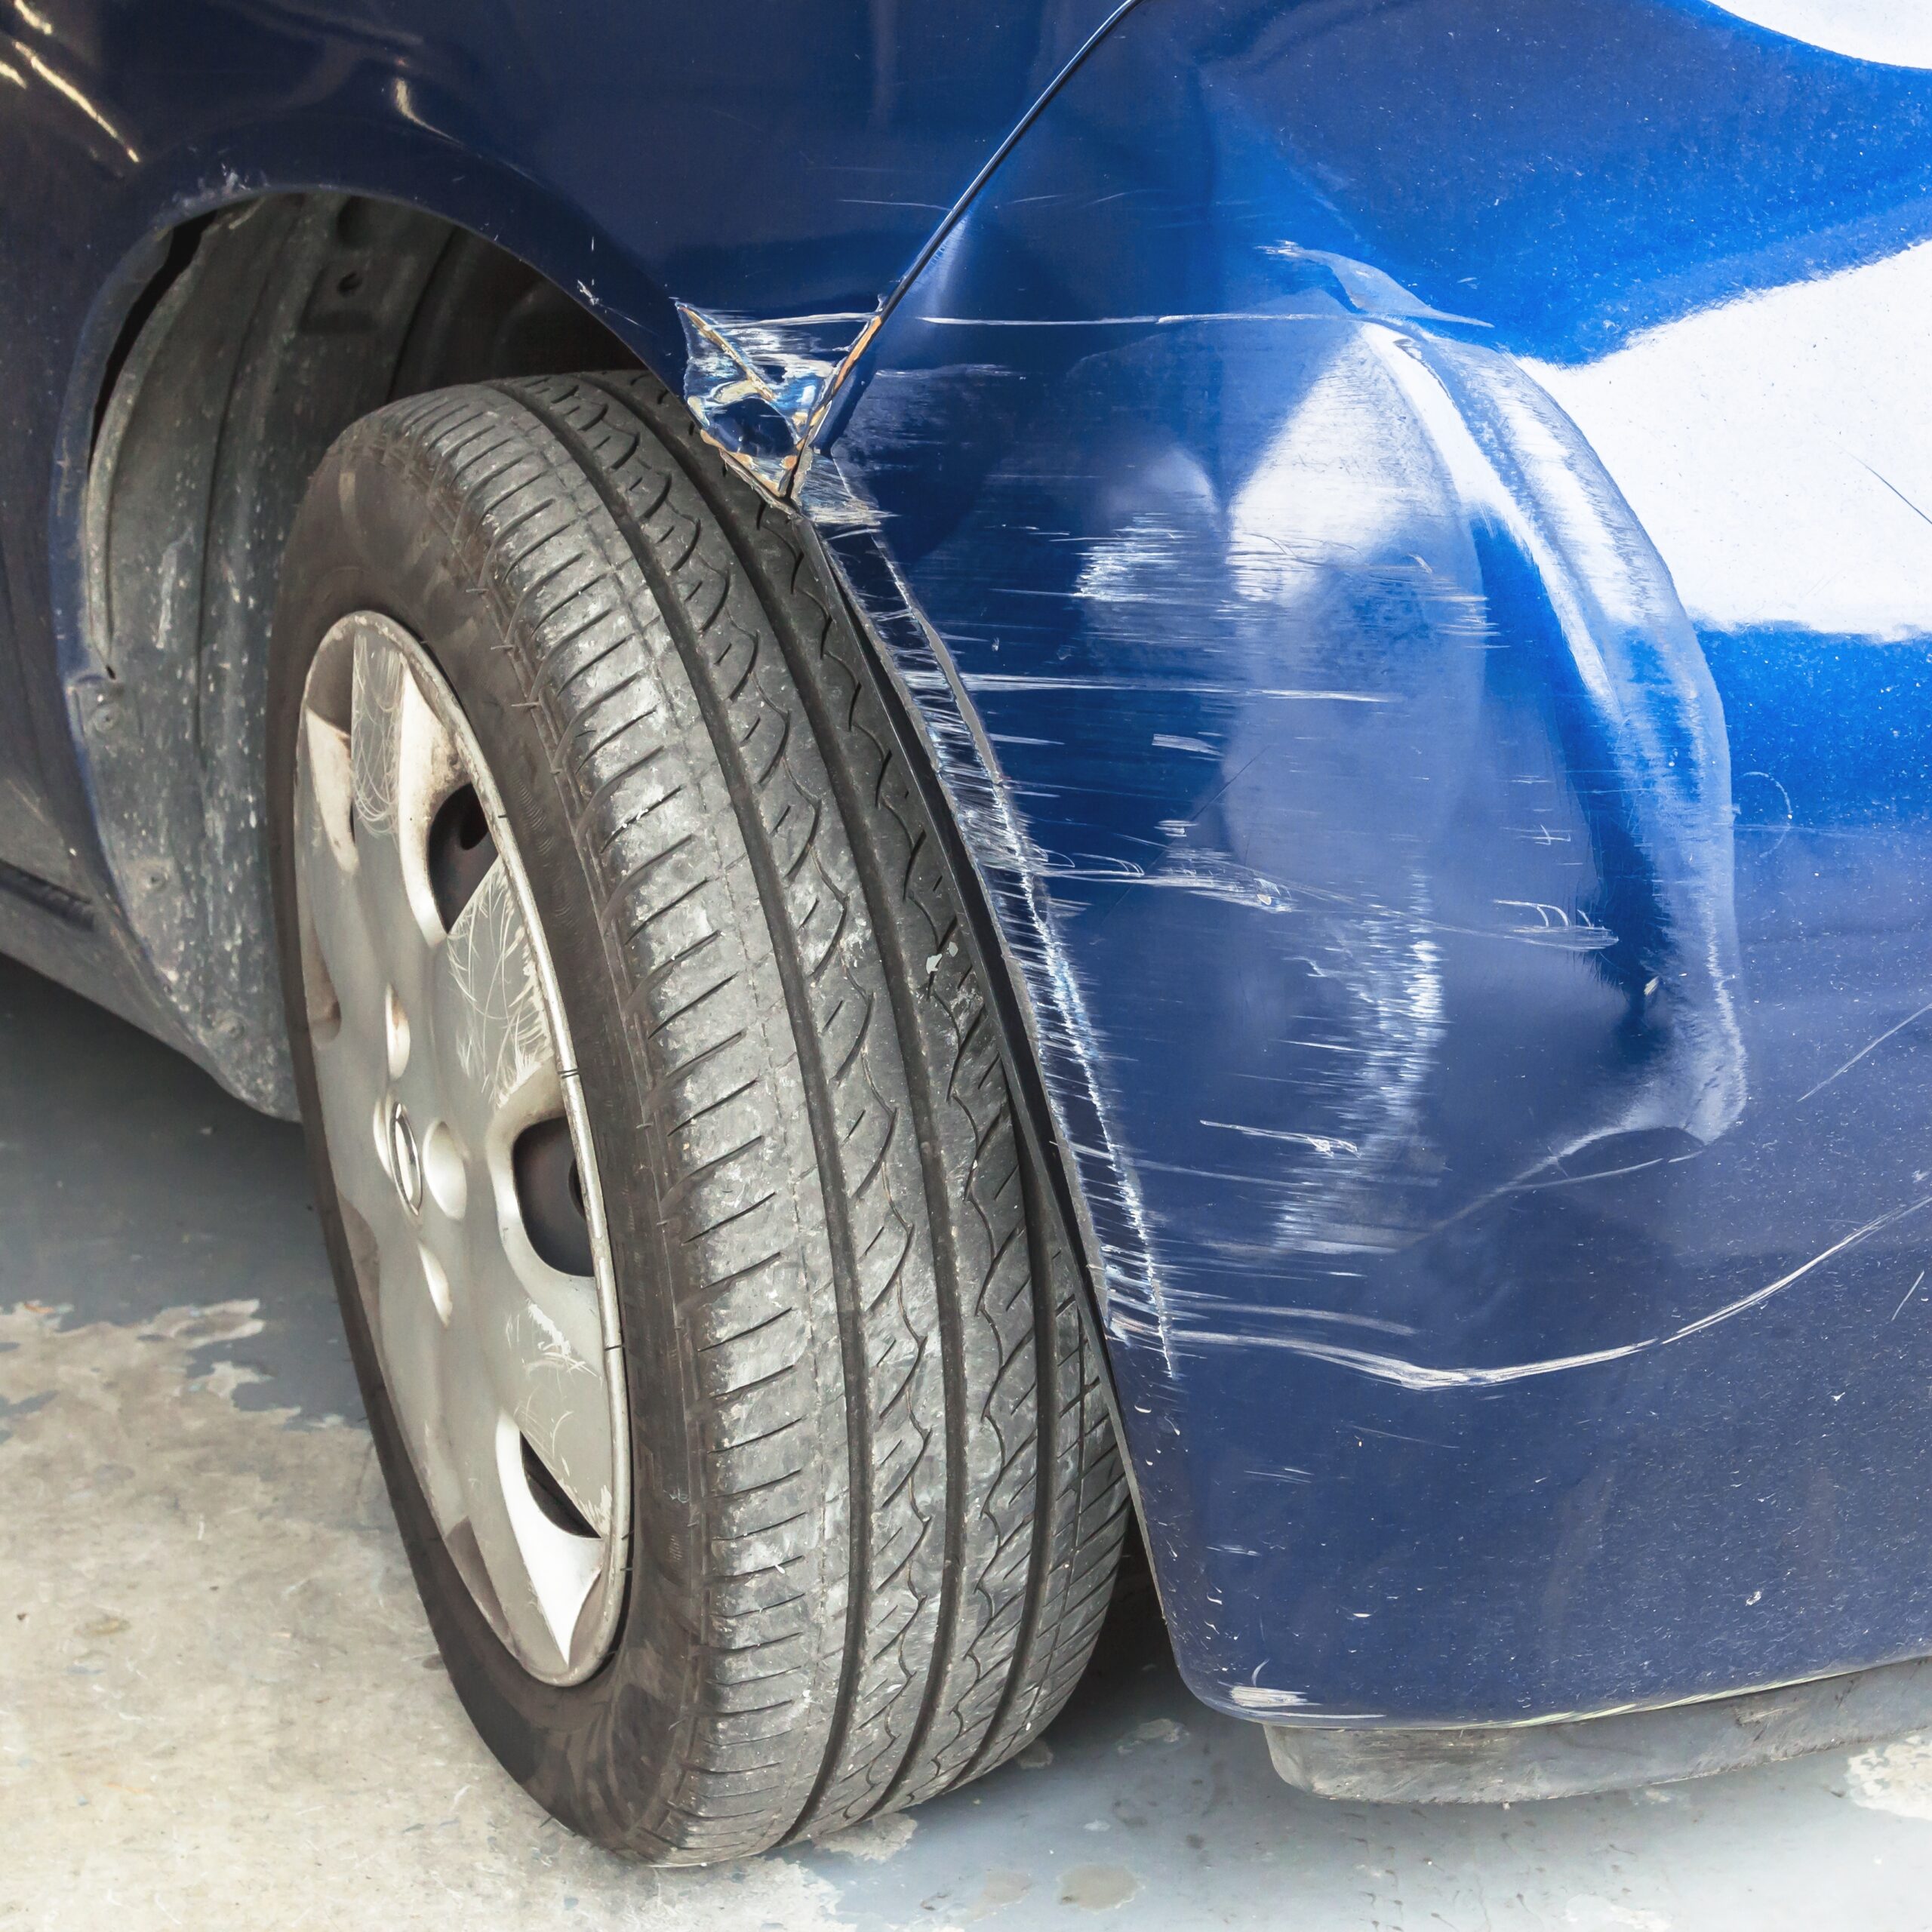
[[460, 1147]]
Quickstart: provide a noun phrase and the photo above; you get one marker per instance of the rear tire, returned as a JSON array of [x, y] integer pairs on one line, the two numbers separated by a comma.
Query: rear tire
[[876, 1504]]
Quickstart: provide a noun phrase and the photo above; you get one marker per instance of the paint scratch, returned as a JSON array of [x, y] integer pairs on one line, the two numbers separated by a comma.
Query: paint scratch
[[1426, 1379], [1863, 1050]]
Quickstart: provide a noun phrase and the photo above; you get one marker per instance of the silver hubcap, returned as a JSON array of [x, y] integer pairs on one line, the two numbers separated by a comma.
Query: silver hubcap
[[460, 1149]]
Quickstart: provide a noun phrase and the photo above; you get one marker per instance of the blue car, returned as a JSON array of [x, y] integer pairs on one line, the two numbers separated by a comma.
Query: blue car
[[988, 769]]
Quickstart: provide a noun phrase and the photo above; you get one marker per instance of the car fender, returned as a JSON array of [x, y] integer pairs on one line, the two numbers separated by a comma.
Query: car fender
[[1314, 493]]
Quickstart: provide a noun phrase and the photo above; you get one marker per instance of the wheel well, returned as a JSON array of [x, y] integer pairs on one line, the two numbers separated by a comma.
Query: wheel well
[[266, 330]]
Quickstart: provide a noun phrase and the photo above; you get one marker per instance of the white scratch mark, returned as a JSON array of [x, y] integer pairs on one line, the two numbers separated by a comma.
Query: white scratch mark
[[1908, 1293], [1257, 1697], [1420, 1377], [1322, 1143], [1863, 1050], [1021, 680]]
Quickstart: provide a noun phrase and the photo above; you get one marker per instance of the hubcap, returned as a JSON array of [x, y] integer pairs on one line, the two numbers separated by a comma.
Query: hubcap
[[460, 1147]]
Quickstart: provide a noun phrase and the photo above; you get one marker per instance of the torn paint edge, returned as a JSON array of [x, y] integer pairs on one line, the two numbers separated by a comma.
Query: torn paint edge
[[722, 360]]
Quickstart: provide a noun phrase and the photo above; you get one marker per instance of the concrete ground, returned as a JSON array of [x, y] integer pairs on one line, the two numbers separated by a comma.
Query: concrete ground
[[219, 1706]]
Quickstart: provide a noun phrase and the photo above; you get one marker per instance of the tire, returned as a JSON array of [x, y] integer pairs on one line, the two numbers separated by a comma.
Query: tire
[[875, 1504]]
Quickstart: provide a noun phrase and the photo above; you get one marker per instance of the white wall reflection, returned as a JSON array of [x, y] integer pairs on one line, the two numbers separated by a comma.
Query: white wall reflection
[[1898, 33], [1778, 450]]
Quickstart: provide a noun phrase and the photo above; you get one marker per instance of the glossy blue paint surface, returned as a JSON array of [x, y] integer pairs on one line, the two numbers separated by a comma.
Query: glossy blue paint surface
[[1408, 527], [1468, 927]]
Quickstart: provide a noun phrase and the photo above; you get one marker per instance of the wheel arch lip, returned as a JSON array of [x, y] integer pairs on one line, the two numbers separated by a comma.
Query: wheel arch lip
[[499, 204]]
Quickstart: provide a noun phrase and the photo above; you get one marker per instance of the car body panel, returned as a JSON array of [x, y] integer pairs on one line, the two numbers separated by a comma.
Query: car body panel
[[1405, 527], [1421, 539]]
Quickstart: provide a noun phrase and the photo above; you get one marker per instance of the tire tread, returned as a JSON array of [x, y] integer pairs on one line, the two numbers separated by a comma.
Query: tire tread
[[908, 1500]]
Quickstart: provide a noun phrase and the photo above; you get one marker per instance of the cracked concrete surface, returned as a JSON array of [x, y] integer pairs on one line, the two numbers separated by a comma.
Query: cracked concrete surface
[[219, 1705]]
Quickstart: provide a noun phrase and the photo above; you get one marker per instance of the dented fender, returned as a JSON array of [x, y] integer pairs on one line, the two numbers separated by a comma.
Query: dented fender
[[1352, 498]]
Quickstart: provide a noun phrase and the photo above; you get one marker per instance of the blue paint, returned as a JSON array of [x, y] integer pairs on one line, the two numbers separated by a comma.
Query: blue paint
[[1470, 870], [1438, 931]]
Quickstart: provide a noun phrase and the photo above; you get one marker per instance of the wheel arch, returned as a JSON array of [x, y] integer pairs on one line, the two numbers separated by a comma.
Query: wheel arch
[[171, 503], [230, 348]]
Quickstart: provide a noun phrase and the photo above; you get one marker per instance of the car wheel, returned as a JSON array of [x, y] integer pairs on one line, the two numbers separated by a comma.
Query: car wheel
[[724, 1353]]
